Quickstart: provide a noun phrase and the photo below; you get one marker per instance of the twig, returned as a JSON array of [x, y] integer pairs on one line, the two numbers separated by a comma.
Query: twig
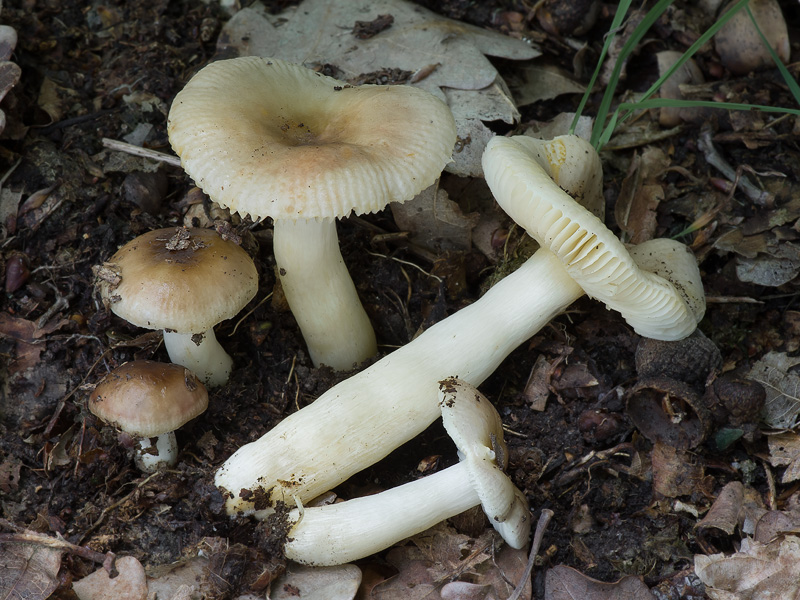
[[22, 536], [715, 159], [544, 519], [142, 152]]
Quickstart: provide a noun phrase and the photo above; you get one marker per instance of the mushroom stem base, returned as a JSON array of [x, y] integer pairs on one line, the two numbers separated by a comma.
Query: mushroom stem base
[[166, 452]]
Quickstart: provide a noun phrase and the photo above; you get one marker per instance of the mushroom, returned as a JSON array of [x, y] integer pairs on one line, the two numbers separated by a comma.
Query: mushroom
[[267, 138], [346, 531], [149, 399], [184, 281], [362, 419]]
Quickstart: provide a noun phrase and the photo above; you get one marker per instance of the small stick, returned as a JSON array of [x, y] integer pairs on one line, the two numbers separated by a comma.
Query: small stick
[[26, 537], [142, 152], [544, 519]]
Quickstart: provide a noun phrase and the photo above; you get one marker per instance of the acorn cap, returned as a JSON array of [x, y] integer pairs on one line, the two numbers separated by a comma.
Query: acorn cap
[[184, 280], [475, 427], [147, 398], [268, 138], [665, 305]]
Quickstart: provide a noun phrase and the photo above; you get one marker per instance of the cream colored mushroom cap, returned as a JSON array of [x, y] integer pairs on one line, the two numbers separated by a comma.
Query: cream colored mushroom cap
[[184, 280], [267, 138], [590, 253], [147, 398], [475, 427]]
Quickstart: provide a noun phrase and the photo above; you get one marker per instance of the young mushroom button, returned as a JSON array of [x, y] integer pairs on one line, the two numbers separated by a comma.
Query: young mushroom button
[[346, 531], [149, 399], [362, 419], [267, 138], [184, 281]]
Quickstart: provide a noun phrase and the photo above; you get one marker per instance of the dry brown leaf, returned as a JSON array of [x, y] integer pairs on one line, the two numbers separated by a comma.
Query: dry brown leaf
[[440, 556], [565, 583], [784, 451], [435, 221], [28, 571], [724, 513], [532, 82], [782, 404], [774, 523], [640, 195], [756, 572], [676, 474]]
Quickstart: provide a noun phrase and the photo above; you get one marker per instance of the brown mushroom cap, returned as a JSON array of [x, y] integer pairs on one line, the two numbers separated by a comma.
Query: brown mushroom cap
[[147, 398], [272, 139], [181, 279]]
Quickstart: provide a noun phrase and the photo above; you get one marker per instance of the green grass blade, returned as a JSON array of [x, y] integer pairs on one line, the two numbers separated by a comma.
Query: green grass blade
[[616, 23]]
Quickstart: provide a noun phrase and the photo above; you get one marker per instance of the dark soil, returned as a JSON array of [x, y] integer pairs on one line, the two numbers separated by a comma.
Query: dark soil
[[94, 72]]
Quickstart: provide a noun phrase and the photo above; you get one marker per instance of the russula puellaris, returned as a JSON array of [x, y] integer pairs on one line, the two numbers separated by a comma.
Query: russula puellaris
[[267, 138], [346, 531], [149, 400], [362, 419], [184, 281]]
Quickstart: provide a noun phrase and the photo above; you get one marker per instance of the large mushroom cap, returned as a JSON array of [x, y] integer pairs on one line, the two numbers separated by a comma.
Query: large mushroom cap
[[147, 398], [181, 279], [272, 139], [590, 253]]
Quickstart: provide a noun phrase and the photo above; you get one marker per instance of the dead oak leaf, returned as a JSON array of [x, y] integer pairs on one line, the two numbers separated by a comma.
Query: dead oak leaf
[[757, 571], [565, 583], [28, 571], [784, 451]]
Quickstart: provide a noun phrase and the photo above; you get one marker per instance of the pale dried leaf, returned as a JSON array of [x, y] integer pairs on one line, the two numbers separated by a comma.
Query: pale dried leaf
[[532, 82], [782, 403], [784, 451], [565, 583], [756, 572], [770, 271], [129, 584], [28, 571], [317, 583]]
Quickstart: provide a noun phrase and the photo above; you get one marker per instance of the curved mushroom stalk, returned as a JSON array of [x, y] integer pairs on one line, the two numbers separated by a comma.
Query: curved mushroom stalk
[[346, 531], [321, 294], [364, 418], [201, 353]]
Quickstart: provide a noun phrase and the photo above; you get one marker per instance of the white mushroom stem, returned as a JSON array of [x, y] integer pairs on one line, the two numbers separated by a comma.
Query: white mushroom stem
[[346, 531], [362, 419], [200, 353], [166, 454], [321, 293]]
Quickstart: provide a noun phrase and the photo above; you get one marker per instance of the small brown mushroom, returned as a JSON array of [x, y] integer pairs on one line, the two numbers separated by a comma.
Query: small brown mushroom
[[184, 281], [149, 399]]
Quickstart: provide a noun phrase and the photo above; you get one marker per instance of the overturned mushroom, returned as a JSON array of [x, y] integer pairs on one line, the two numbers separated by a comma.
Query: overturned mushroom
[[362, 419], [346, 531], [267, 138], [184, 281]]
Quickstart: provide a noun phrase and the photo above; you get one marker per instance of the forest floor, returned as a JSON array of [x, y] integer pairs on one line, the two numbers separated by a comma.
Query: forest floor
[[628, 496]]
